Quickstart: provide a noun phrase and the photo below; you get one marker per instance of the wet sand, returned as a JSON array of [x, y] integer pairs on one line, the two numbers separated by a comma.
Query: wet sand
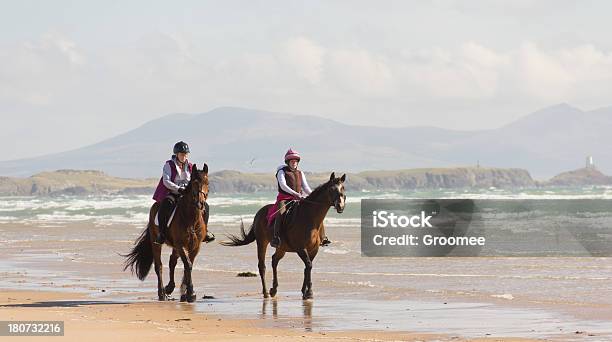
[[355, 297], [101, 320]]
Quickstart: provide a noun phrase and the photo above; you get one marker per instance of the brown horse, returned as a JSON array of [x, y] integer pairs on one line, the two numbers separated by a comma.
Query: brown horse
[[184, 236], [303, 228]]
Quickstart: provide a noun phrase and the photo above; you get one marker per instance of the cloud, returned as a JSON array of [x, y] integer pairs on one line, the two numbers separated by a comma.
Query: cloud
[[305, 57], [543, 74], [37, 72], [568, 74], [361, 72], [352, 71], [469, 72], [176, 69], [528, 72]]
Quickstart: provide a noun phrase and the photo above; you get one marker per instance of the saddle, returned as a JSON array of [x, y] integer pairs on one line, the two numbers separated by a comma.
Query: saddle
[[169, 220], [273, 214]]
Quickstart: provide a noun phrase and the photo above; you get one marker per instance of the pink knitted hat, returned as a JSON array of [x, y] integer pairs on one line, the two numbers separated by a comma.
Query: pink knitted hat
[[292, 154]]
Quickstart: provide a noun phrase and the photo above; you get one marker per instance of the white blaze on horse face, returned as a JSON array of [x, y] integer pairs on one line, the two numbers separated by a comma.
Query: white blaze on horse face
[[341, 201]]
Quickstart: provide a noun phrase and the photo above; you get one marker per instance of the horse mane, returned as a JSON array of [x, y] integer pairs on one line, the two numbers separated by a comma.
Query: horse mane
[[317, 191]]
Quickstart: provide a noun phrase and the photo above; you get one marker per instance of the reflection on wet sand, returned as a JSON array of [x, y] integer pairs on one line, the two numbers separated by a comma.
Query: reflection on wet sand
[[307, 310], [307, 306]]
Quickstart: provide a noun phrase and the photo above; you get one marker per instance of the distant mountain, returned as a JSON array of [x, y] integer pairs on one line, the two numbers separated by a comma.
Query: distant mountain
[[545, 142], [553, 139]]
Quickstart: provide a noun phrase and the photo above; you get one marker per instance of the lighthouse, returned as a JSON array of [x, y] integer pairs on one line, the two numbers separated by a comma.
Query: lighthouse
[[589, 162]]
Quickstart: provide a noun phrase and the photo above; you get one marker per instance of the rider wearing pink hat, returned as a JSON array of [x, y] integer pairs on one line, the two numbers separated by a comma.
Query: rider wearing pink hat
[[292, 185]]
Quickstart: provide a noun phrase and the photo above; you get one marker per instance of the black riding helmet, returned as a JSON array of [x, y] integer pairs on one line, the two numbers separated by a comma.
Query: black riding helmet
[[181, 147]]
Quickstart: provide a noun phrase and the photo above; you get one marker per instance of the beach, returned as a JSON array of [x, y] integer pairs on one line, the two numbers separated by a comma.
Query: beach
[[69, 262], [102, 320]]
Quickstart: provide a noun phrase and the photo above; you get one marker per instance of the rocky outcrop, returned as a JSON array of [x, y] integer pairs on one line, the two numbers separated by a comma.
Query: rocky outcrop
[[462, 177], [580, 177], [83, 182], [70, 182]]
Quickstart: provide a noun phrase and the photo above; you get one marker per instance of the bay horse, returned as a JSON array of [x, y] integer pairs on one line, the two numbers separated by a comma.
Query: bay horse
[[301, 233], [184, 235]]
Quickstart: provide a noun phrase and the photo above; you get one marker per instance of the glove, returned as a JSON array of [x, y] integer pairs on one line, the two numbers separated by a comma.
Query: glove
[[181, 190]]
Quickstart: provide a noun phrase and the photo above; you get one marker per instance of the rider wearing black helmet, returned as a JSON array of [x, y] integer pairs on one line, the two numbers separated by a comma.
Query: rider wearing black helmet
[[175, 177]]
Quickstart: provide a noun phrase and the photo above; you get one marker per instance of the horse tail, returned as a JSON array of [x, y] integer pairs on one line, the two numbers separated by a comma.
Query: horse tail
[[140, 259], [244, 238]]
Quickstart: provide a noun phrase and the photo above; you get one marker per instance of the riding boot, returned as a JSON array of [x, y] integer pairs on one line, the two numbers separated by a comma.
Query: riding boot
[[164, 212], [277, 226], [209, 235]]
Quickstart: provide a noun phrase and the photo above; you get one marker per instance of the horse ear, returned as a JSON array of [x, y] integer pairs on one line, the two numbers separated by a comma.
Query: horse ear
[[194, 169], [332, 176], [205, 168], [343, 178]]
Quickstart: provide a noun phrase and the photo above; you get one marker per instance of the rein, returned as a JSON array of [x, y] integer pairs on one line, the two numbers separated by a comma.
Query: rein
[[279, 209], [309, 201], [200, 205], [298, 201]]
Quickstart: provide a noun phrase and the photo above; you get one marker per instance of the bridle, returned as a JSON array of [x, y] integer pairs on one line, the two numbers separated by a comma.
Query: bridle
[[196, 201], [333, 204]]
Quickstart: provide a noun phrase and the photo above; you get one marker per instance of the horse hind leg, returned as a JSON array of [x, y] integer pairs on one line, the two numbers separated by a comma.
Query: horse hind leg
[[261, 265], [161, 294], [276, 257], [171, 264]]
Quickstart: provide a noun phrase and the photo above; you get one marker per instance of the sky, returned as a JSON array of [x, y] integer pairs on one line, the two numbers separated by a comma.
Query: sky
[[73, 73]]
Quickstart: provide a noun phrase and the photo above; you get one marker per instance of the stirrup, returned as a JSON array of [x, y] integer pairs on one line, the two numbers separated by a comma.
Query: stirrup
[[325, 242], [275, 242], [209, 237]]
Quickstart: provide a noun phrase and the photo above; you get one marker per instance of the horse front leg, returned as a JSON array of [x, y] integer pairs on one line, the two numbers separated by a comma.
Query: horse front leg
[[307, 284], [186, 284], [171, 264], [161, 294], [276, 257]]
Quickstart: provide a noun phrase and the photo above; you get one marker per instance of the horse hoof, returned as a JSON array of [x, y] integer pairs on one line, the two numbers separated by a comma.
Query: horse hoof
[[191, 298], [169, 289], [183, 298], [307, 295], [162, 298], [272, 292], [266, 295]]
